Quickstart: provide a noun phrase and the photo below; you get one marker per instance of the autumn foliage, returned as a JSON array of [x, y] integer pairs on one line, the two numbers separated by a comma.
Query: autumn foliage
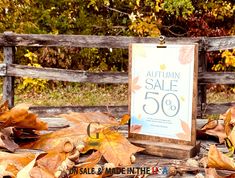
[[33, 154], [225, 132]]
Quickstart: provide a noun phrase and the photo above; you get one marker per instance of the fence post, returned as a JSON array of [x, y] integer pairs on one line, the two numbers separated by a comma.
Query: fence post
[[202, 69], [8, 82]]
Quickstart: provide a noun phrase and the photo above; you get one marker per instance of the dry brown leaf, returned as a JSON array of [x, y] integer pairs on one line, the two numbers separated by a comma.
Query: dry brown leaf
[[218, 160], [215, 130], [114, 147], [51, 161], [13, 162], [231, 109], [89, 163], [6, 140], [211, 173], [20, 117], [203, 162], [25, 172], [4, 107], [56, 140], [210, 125], [47, 165], [3, 172], [37, 172]]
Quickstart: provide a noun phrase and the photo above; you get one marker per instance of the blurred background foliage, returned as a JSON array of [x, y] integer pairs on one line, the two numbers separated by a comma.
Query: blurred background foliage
[[181, 18]]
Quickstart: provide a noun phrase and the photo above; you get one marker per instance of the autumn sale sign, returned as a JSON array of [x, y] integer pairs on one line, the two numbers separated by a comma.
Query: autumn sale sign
[[161, 90]]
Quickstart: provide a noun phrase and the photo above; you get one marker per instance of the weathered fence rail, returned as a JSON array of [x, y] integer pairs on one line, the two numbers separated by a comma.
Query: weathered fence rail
[[91, 41], [14, 70], [9, 70]]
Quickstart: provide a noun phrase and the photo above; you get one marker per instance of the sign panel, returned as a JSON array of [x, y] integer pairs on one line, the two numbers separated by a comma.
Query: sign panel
[[161, 90]]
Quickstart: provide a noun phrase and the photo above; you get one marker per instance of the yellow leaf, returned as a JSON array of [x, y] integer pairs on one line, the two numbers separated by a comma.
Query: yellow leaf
[[218, 160], [114, 147], [232, 136]]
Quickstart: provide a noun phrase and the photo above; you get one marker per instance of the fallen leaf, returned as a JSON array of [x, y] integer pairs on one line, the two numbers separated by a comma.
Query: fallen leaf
[[75, 135], [56, 140], [232, 116], [210, 125], [14, 162], [47, 164], [229, 119], [227, 125], [232, 136], [25, 172], [38, 172], [211, 173], [203, 162], [3, 172], [113, 146], [214, 128], [20, 117], [88, 164], [218, 160], [51, 161], [6, 141], [125, 118], [95, 133], [4, 107]]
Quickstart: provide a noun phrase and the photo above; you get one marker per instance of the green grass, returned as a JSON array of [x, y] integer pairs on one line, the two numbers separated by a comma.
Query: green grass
[[220, 97], [92, 94], [76, 94]]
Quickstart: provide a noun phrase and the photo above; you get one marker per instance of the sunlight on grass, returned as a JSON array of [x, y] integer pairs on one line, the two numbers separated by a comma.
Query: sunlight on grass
[[77, 94], [220, 97], [88, 94]]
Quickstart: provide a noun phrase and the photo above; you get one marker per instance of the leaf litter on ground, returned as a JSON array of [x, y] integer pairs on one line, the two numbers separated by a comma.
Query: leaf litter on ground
[[62, 148], [226, 134]]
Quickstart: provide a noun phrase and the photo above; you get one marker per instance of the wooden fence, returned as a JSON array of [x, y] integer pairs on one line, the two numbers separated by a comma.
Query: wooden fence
[[9, 41]]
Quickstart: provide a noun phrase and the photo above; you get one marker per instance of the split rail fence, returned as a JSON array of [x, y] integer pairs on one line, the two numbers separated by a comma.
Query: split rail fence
[[8, 69]]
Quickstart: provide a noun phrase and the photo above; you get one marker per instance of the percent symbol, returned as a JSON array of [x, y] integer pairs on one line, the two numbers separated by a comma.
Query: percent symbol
[[169, 103]]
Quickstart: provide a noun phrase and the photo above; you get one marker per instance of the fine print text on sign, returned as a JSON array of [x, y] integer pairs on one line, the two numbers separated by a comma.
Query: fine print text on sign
[[162, 90]]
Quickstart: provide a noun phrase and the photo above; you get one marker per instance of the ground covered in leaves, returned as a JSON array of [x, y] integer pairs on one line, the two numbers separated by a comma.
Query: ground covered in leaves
[[93, 143]]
